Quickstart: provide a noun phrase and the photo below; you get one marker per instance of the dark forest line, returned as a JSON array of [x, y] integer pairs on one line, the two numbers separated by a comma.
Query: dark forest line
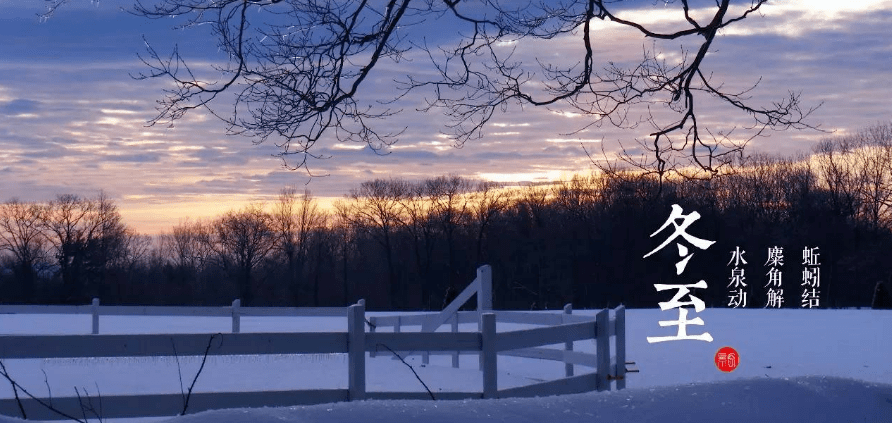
[[415, 244]]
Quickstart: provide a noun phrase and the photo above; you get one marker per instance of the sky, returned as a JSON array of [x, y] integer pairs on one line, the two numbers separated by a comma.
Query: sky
[[73, 120]]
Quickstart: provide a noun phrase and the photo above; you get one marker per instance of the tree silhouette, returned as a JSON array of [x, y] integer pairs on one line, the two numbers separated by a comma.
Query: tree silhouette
[[579, 241], [242, 240], [21, 234]]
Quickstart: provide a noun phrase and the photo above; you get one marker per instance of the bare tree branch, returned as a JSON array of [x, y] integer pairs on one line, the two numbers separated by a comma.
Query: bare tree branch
[[15, 390], [15, 385], [410, 368], [296, 72], [198, 373]]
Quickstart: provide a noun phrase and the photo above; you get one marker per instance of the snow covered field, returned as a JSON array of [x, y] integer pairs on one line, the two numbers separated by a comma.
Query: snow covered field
[[795, 365]]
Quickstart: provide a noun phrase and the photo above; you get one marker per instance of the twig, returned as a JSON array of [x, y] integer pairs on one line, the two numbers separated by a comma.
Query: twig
[[39, 401], [179, 370], [410, 368], [88, 406], [46, 381], [99, 395], [83, 410], [203, 360], [14, 391]]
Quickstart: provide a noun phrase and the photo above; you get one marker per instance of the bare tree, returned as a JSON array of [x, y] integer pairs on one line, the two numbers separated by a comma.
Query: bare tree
[[140, 248], [417, 210], [188, 252], [295, 219], [88, 236], [837, 168], [376, 208], [578, 195], [297, 70], [183, 246], [488, 200], [322, 246], [21, 234], [763, 178], [107, 238], [65, 222], [241, 240], [450, 204], [344, 226], [874, 158]]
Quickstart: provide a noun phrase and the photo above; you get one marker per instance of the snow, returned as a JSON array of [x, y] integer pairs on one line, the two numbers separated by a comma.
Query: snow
[[806, 399], [795, 365]]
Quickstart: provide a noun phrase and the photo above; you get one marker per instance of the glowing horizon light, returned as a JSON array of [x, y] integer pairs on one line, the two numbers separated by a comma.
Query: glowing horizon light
[[133, 143], [185, 148], [340, 146], [86, 147], [154, 215], [544, 176], [801, 17], [506, 125], [118, 111], [108, 120], [566, 114]]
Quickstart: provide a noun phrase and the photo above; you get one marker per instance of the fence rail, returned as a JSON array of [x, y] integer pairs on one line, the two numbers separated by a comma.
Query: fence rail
[[236, 311], [356, 342]]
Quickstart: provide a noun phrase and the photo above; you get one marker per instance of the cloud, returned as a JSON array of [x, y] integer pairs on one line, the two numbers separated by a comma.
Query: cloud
[[797, 18], [133, 158], [87, 126], [19, 106]]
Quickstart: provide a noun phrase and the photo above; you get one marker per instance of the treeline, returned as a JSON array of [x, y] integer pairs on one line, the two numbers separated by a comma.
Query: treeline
[[67, 250], [415, 244]]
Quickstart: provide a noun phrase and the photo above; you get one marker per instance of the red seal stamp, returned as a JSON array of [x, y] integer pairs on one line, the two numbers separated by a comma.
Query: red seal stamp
[[727, 359]]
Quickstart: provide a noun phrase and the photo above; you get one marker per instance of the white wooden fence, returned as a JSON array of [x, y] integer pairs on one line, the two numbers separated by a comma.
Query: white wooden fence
[[356, 342], [236, 311]]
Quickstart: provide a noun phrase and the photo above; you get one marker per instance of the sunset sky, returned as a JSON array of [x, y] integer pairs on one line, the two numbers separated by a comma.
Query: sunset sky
[[72, 120]]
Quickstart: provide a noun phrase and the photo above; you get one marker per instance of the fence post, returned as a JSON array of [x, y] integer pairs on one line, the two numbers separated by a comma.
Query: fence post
[[568, 346], [484, 295], [356, 351], [620, 340], [455, 330], [484, 298], [489, 356], [602, 337], [236, 316], [95, 309]]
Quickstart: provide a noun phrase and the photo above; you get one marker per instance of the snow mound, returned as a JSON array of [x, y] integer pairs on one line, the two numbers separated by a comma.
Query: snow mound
[[800, 399]]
